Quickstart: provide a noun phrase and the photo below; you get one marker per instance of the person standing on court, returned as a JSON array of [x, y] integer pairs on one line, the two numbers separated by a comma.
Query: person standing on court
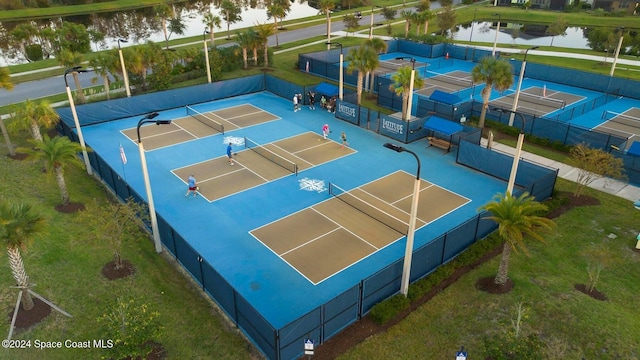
[[229, 154], [312, 100], [295, 103], [343, 136], [325, 131], [193, 186]]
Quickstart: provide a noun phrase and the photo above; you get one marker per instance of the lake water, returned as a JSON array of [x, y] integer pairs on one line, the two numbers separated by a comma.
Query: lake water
[[483, 32]]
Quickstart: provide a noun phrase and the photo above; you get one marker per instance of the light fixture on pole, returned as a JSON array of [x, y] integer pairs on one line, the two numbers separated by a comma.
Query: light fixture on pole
[[341, 82], [147, 184], [407, 116], [125, 76], [615, 58], [371, 26], [516, 157], [72, 105], [495, 41], [408, 253], [517, 96], [206, 54]]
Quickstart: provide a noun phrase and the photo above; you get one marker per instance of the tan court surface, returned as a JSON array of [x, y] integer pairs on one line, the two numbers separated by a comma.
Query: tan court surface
[[189, 128], [540, 102], [330, 236], [623, 126], [217, 179], [450, 82]]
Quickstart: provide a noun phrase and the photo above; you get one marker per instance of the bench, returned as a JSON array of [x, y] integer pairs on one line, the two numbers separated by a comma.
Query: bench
[[442, 144]]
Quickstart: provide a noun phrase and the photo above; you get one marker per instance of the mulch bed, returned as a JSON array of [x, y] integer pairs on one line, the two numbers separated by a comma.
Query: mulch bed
[[111, 273], [593, 293], [18, 156], [69, 208], [365, 327], [27, 319]]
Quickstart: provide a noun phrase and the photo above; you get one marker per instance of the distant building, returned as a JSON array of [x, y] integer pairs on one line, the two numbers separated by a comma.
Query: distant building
[[629, 6]]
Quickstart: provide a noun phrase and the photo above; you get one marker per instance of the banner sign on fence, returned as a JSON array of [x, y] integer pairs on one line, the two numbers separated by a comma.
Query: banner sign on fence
[[393, 127], [347, 111]]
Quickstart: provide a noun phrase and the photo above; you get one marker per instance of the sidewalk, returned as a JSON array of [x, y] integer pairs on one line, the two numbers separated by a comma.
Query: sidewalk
[[611, 186]]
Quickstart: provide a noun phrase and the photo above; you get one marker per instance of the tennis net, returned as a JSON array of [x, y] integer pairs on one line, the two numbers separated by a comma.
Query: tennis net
[[271, 156], [466, 83], [621, 118], [542, 100], [205, 119], [372, 211], [394, 65]]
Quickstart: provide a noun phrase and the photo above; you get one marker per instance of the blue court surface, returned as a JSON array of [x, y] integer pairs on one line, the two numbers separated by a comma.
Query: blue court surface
[[220, 230]]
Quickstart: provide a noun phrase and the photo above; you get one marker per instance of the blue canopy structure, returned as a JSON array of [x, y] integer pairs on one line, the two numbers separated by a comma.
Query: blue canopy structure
[[327, 89], [445, 98], [441, 132]]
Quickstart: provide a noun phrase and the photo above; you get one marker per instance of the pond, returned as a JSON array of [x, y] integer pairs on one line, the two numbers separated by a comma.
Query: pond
[[140, 25], [532, 35]]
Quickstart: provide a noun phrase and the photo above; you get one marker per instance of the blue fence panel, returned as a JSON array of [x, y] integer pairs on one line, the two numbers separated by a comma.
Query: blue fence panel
[[256, 327], [220, 290], [340, 312], [427, 258], [458, 239], [166, 235], [188, 257], [380, 286], [292, 336]]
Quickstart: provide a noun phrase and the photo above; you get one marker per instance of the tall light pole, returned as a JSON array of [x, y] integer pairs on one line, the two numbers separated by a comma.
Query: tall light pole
[[515, 99], [75, 117], [125, 76], [516, 157], [371, 26], [341, 82], [495, 41], [407, 116], [615, 58], [408, 252], [145, 173], [206, 54]]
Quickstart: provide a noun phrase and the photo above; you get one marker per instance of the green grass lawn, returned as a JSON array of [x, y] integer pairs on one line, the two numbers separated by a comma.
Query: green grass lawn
[[65, 267], [572, 324]]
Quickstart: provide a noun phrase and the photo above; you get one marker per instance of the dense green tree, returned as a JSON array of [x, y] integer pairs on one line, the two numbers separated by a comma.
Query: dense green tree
[[5, 79], [517, 218], [447, 20], [494, 73], [558, 28]]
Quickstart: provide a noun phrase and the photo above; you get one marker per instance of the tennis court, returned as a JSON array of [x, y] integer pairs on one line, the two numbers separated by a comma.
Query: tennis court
[[536, 100], [324, 239], [451, 82], [259, 164], [199, 124], [625, 124]]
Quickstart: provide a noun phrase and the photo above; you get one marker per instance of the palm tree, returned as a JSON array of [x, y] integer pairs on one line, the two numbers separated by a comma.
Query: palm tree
[[517, 217], [57, 153], [254, 43], [417, 18], [363, 59], [276, 10], [494, 73], [69, 59], [31, 115], [212, 21], [163, 11], [427, 15], [325, 7], [379, 46], [243, 39], [401, 86], [103, 64], [230, 14], [263, 31], [407, 15], [5, 82], [20, 225]]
